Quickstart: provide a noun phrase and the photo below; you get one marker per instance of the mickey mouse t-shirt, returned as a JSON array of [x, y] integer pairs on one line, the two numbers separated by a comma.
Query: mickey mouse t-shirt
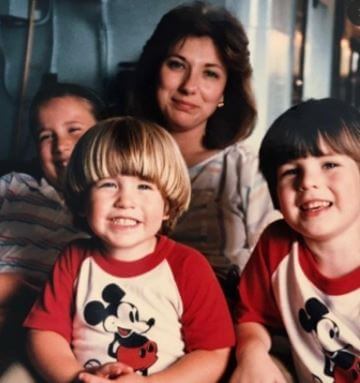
[[147, 313], [282, 288]]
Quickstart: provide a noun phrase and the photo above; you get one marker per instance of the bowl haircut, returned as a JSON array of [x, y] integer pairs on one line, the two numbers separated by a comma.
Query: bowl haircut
[[299, 132], [128, 146]]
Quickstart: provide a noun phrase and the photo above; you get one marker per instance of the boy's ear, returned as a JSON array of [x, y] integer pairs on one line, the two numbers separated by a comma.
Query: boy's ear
[[166, 215]]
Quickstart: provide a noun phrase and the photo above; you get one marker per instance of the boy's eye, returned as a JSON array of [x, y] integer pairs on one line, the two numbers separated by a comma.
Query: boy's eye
[[106, 185], [74, 129], [330, 165], [288, 172], [145, 186], [44, 136]]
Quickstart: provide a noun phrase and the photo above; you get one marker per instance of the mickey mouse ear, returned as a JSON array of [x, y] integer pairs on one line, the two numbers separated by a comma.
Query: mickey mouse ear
[[112, 293], [94, 313]]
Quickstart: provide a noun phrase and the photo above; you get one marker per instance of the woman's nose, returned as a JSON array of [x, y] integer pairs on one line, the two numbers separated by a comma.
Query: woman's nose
[[190, 82]]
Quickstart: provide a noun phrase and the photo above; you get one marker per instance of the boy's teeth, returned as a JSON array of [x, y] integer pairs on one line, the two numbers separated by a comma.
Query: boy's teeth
[[315, 205], [125, 221]]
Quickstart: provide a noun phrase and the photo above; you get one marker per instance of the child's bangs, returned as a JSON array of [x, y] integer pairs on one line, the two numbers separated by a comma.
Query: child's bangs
[[302, 140], [346, 142], [296, 144], [111, 158]]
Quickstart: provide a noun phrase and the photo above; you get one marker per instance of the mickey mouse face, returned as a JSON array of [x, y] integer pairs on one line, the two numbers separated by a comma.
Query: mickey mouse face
[[123, 322], [126, 321], [328, 334]]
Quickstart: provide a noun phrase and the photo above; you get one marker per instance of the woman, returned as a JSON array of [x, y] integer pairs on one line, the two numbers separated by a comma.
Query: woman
[[193, 77]]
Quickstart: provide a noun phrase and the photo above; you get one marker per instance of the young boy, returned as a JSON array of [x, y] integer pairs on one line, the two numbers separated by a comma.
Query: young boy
[[304, 274], [129, 294], [35, 223]]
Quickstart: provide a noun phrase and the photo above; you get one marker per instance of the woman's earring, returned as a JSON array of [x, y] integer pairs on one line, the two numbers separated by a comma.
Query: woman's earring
[[221, 103]]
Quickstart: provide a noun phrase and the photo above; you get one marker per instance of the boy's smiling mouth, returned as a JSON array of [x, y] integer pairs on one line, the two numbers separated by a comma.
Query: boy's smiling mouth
[[61, 164], [125, 221], [315, 205]]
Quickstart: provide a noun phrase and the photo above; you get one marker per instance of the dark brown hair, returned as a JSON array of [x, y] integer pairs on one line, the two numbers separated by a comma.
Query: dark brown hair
[[297, 133], [235, 120], [61, 89]]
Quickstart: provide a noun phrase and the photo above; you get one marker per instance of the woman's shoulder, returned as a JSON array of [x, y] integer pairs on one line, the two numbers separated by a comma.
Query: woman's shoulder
[[241, 162], [242, 153]]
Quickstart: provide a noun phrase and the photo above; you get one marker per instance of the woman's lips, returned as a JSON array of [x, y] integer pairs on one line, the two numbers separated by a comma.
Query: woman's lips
[[184, 105]]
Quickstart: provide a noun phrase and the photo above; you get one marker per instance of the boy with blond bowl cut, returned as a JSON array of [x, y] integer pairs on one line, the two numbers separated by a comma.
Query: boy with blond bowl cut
[[129, 305], [304, 274]]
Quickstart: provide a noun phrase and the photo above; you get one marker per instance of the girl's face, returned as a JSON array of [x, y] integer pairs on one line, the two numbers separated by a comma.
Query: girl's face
[[191, 84], [319, 196], [62, 121]]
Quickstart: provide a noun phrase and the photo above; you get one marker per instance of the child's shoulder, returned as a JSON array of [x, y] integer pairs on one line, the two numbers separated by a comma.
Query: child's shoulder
[[181, 249], [183, 255], [278, 236], [280, 230], [84, 243], [80, 248]]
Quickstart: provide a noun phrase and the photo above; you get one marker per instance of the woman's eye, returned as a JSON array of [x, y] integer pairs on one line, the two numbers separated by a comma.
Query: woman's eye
[[175, 64], [211, 74]]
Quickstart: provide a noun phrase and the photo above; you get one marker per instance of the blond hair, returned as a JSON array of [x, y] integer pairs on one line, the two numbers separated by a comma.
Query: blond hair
[[134, 147]]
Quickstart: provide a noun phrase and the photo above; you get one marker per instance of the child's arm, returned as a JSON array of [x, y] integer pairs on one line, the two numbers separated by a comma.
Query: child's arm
[[254, 364], [196, 367], [52, 356]]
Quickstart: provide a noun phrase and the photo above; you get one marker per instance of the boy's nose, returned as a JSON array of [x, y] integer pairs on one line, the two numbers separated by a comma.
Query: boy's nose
[[308, 180], [61, 144], [124, 199]]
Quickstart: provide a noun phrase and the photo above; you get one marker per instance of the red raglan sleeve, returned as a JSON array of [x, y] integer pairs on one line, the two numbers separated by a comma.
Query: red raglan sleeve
[[257, 302], [206, 320], [53, 310]]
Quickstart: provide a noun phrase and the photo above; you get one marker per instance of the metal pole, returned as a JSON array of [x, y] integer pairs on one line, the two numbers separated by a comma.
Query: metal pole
[[25, 78]]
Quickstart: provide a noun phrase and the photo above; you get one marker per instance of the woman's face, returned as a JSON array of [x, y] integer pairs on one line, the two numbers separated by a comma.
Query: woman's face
[[191, 84]]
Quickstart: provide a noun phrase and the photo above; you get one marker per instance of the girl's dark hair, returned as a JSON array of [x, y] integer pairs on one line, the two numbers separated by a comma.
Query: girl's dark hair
[[57, 89], [235, 120], [297, 133]]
